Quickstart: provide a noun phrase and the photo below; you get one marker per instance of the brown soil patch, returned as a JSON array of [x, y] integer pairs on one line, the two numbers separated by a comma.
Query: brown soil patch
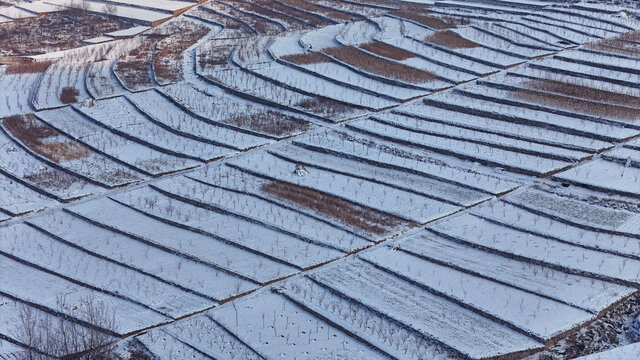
[[306, 58], [388, 51], [133, 68], [346, 212], [52, 179], [450, 40], [55, 31], [380, 66], [43, 139], [326, 107], [581, 91], [269, 122], [69, 95], [30, 67], [578, 105], [299, 16], [216, 56], [625, 44], [434, 22]]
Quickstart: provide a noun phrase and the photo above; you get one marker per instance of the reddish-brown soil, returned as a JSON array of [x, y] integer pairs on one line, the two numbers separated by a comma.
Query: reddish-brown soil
[[434, 22], [330, 13], [167, 66], [625, 44], [388, 51], [69, 95], [583, 92], [450, 40], [380, 66], [346, 212], [578, 105], [307, 58]]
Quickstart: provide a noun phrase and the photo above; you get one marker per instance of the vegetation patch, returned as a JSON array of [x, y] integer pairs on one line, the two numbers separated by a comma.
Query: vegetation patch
[[306, 58], [269, 122], [43, 139], [324, 106], [379, 66], [69, 95], [625, 44], [346, 212], [450, 40], [578, 105], [29, 67], [168, 62], [388, 51], [581, 91]]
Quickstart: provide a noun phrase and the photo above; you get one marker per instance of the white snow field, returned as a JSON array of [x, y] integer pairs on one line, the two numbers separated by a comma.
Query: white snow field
[[324, 179]]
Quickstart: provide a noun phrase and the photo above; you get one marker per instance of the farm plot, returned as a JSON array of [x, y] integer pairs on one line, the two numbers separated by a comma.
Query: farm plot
[[134, 70], [156, 253], [56, 149], [101, 82], [232, 28], [624, 45], [17, 199], [22, 78], [120, 149], [292, 19], [259, 24], [171, 117], [61, 84], [598, 174], [475, 100], [29, 170], [121, 117], [512, 159], [322, 11], [236, 113], [93, 272], [167, 63]]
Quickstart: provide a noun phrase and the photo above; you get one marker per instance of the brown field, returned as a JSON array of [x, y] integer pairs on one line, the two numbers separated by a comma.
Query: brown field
[[434, 22], [133, 68], [325, 107], [580, 91], [306, 58], [380, 66], [578, 105], [346, 212], [625, 44], [52, 179], [56, 31], [31, 67], [306, 18], [388, 51], [43, 139], [69, 95], [269, 122], [450, 40], [217, 56]]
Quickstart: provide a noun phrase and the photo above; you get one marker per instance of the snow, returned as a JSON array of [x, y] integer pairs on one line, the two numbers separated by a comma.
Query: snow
[[128, 32], [622, 352]]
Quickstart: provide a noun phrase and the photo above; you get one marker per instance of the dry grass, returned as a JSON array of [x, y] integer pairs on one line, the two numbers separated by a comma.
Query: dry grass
[[380, 66], [581, 91], [346, 212], [450, 40], [307, 58], [168, 65], [325, 107], [301, 16], [578, 105], [269, 122], [31, 67], [217, 56], [434, 22], [43, 139], [388, 51], [625, 44], [69, 95], [52, 179]]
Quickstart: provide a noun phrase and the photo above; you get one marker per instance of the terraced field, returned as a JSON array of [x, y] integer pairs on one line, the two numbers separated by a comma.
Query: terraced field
[[326, 179]]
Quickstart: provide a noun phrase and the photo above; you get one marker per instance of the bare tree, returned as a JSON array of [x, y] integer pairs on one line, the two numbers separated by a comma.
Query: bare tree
[[49, 336], [110, 9]]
